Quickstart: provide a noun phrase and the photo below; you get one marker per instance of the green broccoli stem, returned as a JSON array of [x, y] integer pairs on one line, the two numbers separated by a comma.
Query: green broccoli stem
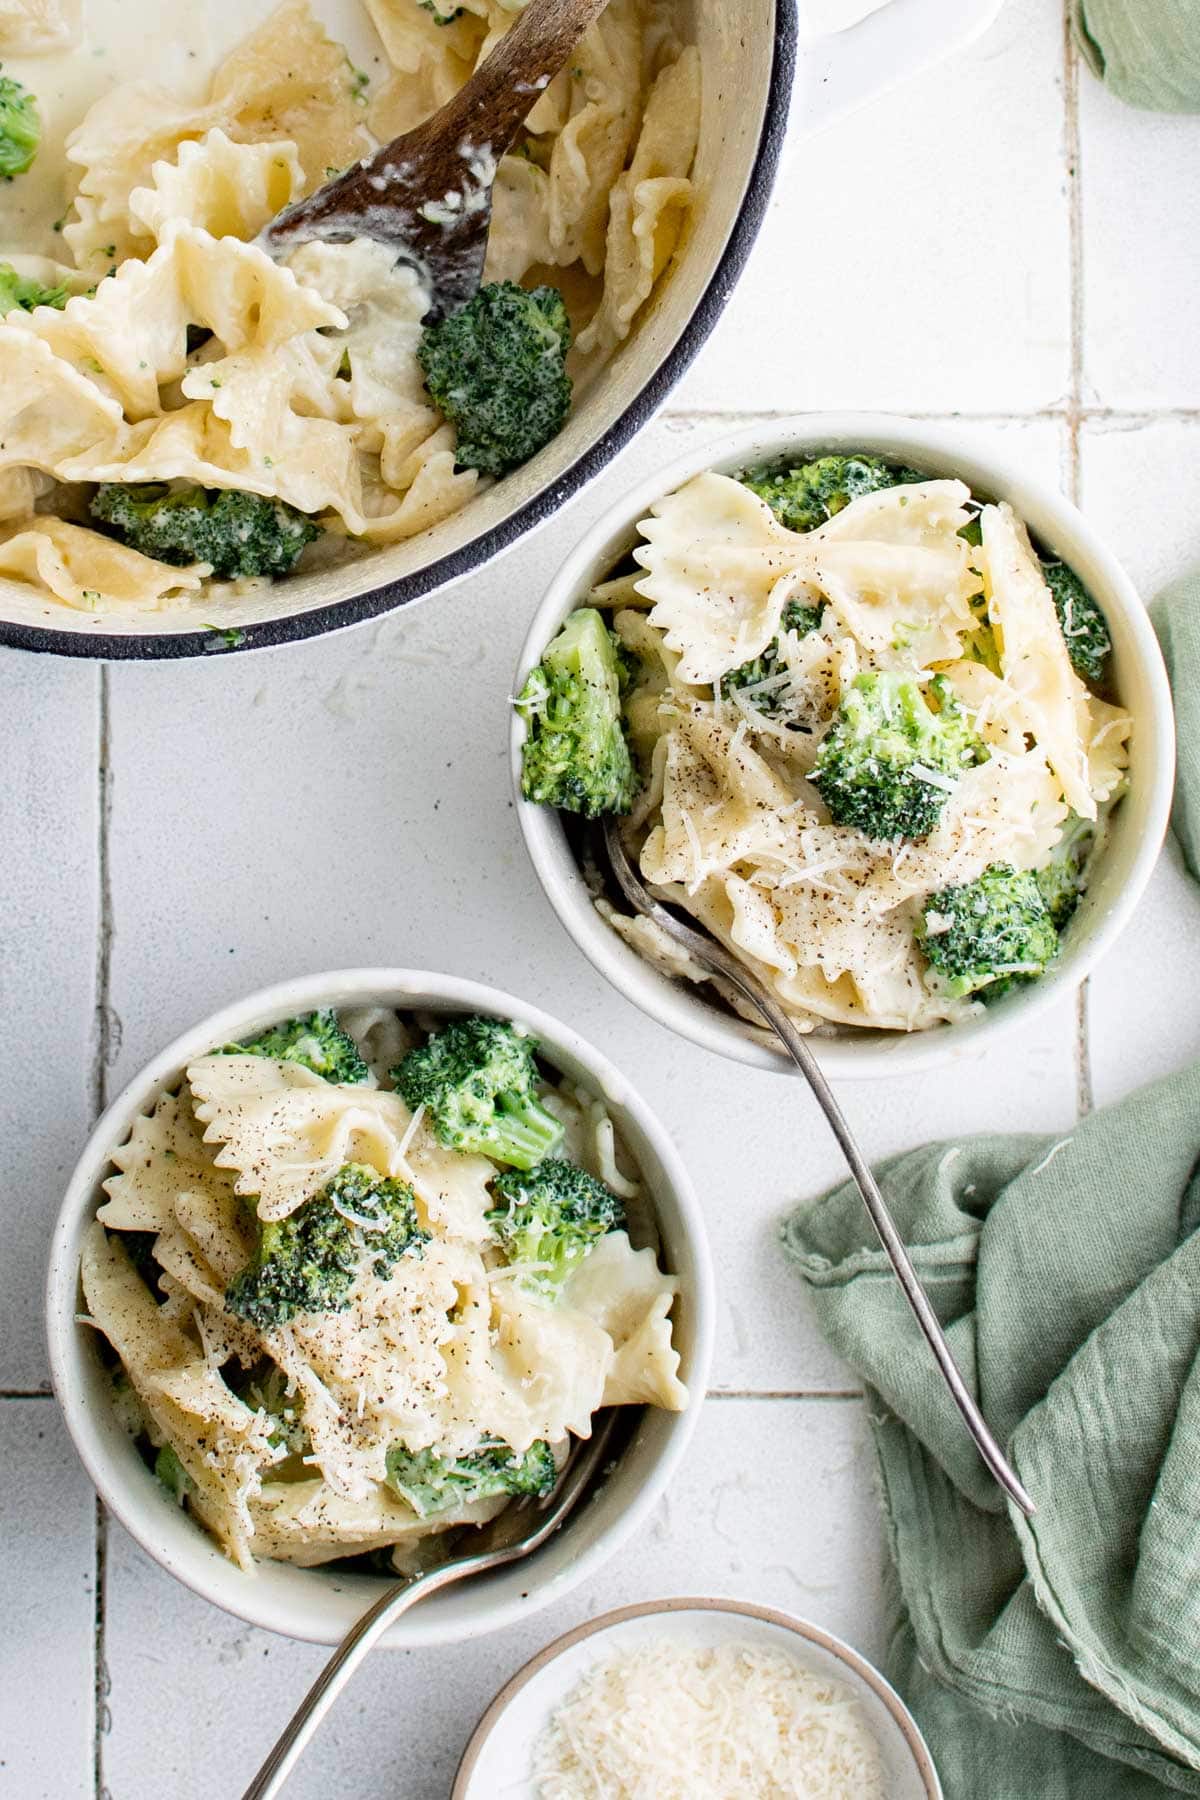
[[522, 1135]]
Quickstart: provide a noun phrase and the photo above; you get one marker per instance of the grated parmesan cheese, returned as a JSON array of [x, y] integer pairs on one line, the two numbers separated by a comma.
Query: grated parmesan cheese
[[672, 1721]]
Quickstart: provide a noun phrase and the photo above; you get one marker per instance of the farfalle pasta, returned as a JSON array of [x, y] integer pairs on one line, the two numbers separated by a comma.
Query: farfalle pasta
[[860, 729], [178, 357], [335, 1332], [33, 27]]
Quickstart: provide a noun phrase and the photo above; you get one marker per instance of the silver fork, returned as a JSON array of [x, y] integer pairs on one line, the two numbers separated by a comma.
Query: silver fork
[[517, 1532], [713, 955]]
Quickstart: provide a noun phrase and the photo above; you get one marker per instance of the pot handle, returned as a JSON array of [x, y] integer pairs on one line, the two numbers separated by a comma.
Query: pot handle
[[852, 51]]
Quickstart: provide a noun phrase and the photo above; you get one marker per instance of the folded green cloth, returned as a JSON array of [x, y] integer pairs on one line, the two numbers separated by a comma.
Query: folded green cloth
[[1146, 51], [1056, 1658], [1176, 617]]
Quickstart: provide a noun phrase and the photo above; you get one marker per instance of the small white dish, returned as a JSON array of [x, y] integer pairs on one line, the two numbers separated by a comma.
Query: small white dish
[[320, 1605], [497, 1762], [1138, 824]]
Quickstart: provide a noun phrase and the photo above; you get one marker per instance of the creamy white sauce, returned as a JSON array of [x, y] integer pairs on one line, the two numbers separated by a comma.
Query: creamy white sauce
[[116, 44]]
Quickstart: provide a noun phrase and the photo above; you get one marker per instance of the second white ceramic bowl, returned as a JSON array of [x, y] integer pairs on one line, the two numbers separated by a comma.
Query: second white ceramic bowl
[[499, 1756], [320, 1605], [1138, 824]]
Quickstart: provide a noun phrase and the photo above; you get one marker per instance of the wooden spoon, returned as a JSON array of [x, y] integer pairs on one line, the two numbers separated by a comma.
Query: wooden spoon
[[428, 194]]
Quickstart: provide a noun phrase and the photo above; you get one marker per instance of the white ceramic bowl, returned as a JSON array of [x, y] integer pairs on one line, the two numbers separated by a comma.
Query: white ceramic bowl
[[320, 1605], [1138, 824], [498, 1756]]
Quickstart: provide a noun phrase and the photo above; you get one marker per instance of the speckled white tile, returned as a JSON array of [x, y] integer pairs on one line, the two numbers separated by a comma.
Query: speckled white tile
[[1144, 1000], [1139, 489], [916, 256], [47, 1579], [1141, 314], [49, 888], [197, 1698]]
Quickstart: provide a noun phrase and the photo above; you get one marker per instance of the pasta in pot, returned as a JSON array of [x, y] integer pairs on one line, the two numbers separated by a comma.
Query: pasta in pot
[[331, 1336], [870, 762], [176, 351]]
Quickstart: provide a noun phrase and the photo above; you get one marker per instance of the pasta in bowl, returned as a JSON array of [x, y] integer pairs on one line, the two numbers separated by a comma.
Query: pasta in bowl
[[156, 361], [881, 713], [312, 1323]]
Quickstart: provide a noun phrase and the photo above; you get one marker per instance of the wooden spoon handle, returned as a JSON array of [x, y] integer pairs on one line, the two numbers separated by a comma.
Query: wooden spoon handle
[[429, 193], [501, 94]]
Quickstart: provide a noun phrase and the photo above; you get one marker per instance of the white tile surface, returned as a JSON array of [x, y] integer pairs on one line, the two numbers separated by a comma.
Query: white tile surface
[[1139, 488], [48, 960], [917, 259], [1144, 1002], [1142, 296], [796, 1529], [48, 1584], [295, 810]]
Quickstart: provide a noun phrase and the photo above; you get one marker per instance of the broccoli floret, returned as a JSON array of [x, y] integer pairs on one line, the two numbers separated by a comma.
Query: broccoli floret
[[170, 1471], [22, 291], [496, 369], [1084, 628], [316, 1040], [310, 1261], [1064, 879], [477, 1079], [239, 534], [798, 618], [803, 498], [431, 1483], [20, 128], [990, 930], [550, 1217], [575, 754], [888, 763]]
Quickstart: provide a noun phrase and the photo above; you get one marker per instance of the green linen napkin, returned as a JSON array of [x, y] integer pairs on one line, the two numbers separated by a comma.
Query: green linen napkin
[[1056, 1658], [1176, 618], [1146, 51]]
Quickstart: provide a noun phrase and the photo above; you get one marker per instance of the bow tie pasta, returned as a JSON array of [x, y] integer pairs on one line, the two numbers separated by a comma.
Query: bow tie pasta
[[339, 1326], [179, 411], [862, 730]]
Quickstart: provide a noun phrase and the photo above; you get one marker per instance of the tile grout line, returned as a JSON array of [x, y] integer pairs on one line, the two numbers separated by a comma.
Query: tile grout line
[[102, 1685], [822, 1394], [1075, 416], [1066, 411], [101, 1054], [102, 1023]]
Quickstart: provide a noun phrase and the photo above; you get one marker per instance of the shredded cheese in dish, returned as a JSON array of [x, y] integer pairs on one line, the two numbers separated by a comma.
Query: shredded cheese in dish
[[179, 352], [869, 765], [687, 1723], [402, 1363]]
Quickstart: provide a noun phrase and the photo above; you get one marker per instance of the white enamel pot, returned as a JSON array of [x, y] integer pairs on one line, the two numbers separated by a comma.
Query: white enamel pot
[[770, 73]]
